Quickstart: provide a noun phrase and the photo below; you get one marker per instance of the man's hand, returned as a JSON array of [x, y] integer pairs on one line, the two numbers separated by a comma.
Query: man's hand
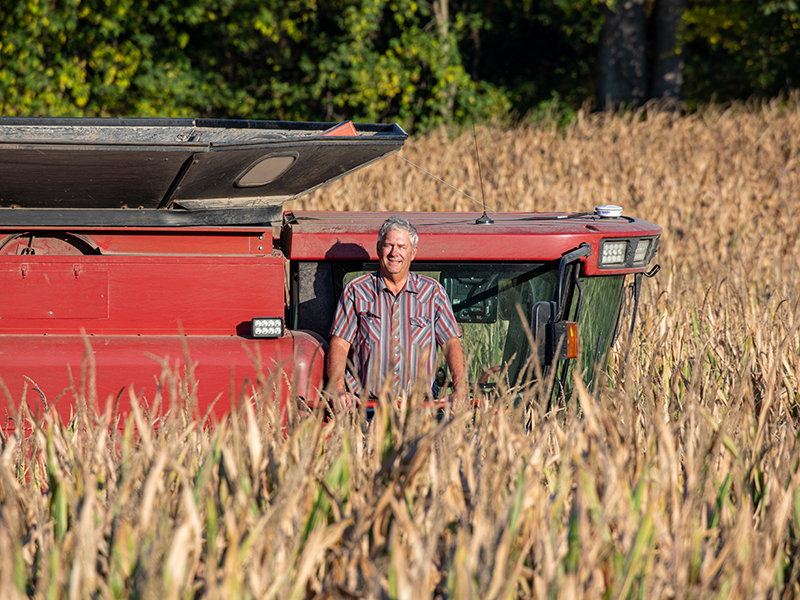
[[454, 356], [343, 401], [336, 365]]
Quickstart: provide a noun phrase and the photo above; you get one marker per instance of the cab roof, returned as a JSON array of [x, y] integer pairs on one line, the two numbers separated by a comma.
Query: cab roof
[[172, 172], [457, 236]]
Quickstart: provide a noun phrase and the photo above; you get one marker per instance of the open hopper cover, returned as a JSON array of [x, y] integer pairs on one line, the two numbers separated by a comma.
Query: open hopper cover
[[102, 171]]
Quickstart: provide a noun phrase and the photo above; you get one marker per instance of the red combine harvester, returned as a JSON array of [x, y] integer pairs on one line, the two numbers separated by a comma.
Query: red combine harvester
[[129, 244]]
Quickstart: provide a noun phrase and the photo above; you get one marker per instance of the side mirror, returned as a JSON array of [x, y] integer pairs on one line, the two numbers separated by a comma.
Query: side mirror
[[555, 340]]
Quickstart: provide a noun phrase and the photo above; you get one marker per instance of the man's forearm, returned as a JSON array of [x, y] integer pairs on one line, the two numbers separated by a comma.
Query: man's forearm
[[337, 362], [454, 355]]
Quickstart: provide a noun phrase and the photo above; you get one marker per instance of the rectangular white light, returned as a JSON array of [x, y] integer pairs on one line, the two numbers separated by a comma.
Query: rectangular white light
[[641, 251], [613, 253], [266, 327]]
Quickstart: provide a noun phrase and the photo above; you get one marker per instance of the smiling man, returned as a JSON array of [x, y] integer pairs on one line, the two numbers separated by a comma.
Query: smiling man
[[390, 323]]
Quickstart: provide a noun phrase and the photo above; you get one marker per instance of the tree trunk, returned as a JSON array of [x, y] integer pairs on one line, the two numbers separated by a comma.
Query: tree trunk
[[668, 60], [622, 68], [441, 12]]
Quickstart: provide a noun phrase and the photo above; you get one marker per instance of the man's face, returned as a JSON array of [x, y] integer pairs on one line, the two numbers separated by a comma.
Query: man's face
[[396, 253]]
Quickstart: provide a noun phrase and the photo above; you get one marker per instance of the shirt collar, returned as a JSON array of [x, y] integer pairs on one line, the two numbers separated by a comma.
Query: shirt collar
[[411, 283]]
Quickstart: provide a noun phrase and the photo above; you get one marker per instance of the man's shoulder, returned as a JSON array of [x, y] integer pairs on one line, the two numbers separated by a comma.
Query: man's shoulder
[[425, 284], [368, 279], [423, 279]]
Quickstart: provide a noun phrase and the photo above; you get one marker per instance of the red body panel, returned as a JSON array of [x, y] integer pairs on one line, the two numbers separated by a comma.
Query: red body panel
[[205, 295], [207, 241], [225, 369], [455, 236], [133, 299]]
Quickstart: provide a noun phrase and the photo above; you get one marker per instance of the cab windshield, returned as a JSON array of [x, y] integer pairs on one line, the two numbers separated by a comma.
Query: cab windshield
[[490, 301]]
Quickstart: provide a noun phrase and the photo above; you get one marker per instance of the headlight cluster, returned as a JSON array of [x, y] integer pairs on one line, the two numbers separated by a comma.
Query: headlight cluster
[[625, 254], [267, 327], [613, 253]]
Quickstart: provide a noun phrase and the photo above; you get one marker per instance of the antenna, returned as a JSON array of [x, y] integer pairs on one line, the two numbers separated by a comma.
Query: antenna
[[440, 180], [484, 218]]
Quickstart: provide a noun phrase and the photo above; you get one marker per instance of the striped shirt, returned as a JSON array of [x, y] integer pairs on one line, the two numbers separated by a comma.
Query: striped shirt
[[364, 319]]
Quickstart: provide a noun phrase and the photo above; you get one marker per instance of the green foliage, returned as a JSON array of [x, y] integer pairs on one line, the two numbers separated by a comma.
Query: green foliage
[[363, 59], [72, 58], [419, 62], [741, 48]]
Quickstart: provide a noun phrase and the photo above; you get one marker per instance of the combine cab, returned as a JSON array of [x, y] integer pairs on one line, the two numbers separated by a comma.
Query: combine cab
[[127, 246], [555, 278]]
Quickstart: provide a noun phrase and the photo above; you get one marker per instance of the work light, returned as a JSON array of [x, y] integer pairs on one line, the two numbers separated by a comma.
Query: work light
[[267, 327], [613, 253], [640, 255]]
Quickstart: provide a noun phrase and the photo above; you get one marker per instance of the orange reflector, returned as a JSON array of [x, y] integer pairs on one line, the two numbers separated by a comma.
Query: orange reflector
[[342, 129], [572, 340]]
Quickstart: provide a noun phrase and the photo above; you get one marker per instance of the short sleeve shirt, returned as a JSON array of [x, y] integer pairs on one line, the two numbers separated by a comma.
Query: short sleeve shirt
[[364, 318]]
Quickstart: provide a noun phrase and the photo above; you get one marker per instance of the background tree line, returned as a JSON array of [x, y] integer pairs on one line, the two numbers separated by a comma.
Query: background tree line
[[420, 62]]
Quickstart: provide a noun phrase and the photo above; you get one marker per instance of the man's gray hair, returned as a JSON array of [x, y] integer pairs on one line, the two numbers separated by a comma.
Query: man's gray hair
[[398, 224]]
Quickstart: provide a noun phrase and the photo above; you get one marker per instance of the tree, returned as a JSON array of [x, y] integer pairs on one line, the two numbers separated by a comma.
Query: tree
[[622, 64], [268, 59], [626, 52], [741, 48], [420, 62], [668, 62]]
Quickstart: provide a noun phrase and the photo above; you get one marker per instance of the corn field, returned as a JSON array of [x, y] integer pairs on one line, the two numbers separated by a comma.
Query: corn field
[[678, 477]]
